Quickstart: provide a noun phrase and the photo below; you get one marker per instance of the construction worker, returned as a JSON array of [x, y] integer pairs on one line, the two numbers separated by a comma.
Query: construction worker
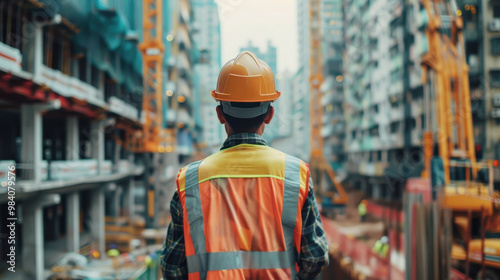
[[247, 211], [362, 210], [381, 246]]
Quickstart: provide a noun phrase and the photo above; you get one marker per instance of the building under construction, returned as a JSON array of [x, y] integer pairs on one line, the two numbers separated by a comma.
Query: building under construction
[[72, 91]]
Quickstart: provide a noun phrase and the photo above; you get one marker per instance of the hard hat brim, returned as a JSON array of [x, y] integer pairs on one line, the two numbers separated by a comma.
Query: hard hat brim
[[219, 96]]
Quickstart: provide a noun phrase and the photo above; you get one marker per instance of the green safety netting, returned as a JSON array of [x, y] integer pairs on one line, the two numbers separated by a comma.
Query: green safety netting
[[106, 27]]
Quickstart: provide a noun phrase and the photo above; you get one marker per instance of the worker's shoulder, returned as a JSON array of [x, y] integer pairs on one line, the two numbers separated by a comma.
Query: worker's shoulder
[[182, 172]]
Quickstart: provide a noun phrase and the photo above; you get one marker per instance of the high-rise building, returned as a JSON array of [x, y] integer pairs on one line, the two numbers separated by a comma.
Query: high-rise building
[[179, 53], [383, 91], [333, 130], [384, 95], [206, 70], [299, 118], [482, 25]]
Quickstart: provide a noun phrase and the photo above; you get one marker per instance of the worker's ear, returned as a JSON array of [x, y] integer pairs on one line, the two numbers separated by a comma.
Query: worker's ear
[[270, 115], [220, 115]]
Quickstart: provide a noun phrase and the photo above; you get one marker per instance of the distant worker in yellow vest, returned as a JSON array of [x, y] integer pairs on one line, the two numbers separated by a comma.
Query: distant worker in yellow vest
[[247, 211], [381, 247], [362, 210]]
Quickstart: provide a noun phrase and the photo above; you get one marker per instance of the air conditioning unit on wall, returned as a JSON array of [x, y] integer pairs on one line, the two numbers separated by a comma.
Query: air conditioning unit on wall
[[496, 100], [495, 113], [494, 25]]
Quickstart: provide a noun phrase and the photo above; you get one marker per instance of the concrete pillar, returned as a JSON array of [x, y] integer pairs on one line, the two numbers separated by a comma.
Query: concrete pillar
[[32, 252], [72, 139], [97, 213], [116, 201], [128, 198], [31, 141], [116, 160], [31, 137], [97, 140], [38, 50], [377, 192], [73, 221]]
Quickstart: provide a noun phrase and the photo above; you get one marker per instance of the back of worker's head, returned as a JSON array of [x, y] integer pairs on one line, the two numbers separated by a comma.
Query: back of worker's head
[[239, 124], [245, 90]]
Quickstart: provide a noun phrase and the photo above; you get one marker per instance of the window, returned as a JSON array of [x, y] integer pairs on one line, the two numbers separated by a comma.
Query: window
[[495, 78], [394, 127], [374, 131], [395, 76], [95, 77], [495, 46], [496, 11]]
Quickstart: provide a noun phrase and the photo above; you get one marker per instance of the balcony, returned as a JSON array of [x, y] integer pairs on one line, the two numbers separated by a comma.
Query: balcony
[[396, 140], [123, 109], [415, 79], [396, 87], [471, 32], [422, 19], [417, 107], [417, 137], [494, 25], [397, 62], [421, 45], [67, 173], [68, 86], [10, 59], [473, 61]]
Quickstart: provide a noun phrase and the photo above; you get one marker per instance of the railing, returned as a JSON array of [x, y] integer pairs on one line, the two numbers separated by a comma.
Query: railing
[[68, 86], [10, 58], [64, 170], [470, 185]]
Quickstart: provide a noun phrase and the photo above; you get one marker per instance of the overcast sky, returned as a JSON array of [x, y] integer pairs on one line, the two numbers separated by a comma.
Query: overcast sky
[[260, 21]]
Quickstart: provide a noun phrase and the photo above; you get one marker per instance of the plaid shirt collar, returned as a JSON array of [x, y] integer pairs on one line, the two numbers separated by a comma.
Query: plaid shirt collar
[[243, 138]]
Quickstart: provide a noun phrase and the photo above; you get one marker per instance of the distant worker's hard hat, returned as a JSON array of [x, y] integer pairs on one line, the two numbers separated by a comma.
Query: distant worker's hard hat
[[246, 79], [364, 201], [384, 239]]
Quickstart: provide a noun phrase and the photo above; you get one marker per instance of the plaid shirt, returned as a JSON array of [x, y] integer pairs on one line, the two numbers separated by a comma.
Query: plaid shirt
[[313, 250]]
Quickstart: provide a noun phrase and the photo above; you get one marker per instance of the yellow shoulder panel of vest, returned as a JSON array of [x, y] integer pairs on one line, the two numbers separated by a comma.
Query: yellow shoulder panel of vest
[[181, 177], [303, 174], [244, 160]]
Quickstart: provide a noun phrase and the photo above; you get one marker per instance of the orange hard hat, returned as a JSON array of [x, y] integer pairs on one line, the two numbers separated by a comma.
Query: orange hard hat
[[246, 79]]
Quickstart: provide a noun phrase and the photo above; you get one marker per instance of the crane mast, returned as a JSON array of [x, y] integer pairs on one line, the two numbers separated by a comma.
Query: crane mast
[[318, 164], [152, 137]]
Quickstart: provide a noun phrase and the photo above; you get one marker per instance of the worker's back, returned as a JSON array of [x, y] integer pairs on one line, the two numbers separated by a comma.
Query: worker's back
[[242, 218]]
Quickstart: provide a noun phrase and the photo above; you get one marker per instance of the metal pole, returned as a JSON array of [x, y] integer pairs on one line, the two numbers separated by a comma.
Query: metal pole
[[483, 232], [467, 242]]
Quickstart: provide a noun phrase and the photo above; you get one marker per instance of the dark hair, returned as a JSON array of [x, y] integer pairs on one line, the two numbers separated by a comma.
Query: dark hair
[[239, 125]]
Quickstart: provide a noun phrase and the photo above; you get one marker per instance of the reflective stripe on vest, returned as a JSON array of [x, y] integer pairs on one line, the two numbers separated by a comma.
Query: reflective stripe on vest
[[202, 261]]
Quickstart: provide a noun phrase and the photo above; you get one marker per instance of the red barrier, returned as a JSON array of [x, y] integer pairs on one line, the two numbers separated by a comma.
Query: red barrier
[[360, 252], [385, 213]]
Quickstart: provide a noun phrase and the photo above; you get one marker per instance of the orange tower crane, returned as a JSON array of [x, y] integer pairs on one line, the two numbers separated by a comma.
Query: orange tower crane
[[152, 138], [318, 164]]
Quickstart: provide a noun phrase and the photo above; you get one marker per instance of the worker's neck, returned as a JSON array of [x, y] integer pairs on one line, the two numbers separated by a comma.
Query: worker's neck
[[231, 132]]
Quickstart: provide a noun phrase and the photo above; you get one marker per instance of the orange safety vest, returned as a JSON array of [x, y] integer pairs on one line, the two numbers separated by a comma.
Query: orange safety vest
[[242, 213]]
